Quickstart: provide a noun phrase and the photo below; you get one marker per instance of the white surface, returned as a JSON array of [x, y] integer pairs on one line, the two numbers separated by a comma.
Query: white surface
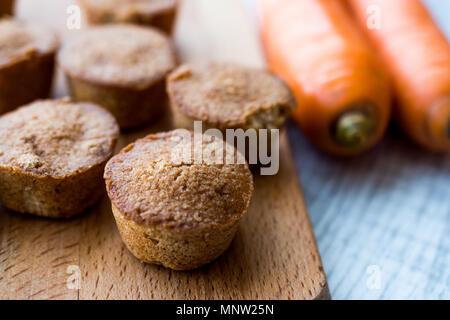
[[382, 221]]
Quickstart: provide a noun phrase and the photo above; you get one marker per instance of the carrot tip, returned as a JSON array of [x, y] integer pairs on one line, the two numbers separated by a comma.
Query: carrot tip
[[354, 129]]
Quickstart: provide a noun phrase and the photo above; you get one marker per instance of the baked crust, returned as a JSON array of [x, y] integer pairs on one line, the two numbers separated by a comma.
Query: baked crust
[[160, 14], [122, 68], [172, 209], [156, 182], [225, 95], [118, 55], [26, 63], [177, 251], [52, 154]]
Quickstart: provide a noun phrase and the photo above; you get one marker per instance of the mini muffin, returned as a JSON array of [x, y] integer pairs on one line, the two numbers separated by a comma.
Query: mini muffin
[[52, 156], [224, 95], [228, 96], [6, 7], [155, 13], [172, 209], [122, 68], [27, 55]]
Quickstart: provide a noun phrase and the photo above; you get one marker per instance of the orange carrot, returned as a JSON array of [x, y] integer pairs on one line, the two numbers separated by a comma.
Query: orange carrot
[[342, 91], [417, 56]]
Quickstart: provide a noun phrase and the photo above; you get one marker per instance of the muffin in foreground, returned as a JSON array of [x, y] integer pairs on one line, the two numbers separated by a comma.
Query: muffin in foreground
[[52, 156], [6, 7], [171, 209], [27, 55], [122, 68], [160, 14]]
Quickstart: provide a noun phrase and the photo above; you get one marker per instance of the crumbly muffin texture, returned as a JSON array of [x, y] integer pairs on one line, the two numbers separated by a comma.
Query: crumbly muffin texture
[[56, 138], [119, 55], [226, 95], [19, 41], [174, 249], [152, 183]]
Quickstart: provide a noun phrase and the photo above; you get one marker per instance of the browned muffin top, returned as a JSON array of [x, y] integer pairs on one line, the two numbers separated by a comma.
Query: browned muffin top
[[124, 10], [19, 41], [227, 95], [120, 55], [152, 182], [56, 138]]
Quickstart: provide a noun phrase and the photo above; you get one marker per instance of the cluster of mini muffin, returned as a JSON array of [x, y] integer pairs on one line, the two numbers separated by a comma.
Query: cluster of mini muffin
[[56, 155]]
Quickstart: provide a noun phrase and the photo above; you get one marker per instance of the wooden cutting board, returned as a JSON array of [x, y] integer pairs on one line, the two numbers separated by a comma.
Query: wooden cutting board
[[274, 255]]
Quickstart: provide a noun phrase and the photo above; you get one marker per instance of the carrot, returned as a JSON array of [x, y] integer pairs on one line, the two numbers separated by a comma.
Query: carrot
[[342, 90], [417, 56]]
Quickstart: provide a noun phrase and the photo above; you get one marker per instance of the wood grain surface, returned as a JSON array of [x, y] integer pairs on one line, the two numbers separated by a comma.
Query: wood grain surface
[[274, 255]]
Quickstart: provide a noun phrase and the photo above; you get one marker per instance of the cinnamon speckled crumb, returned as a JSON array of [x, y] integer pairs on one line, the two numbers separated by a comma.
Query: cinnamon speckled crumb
[[20, 40], [150, 183], [52, 155], [56, 138], [119, 55]]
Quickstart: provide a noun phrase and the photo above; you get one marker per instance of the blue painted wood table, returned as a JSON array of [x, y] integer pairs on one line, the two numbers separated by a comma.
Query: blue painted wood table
[[382, 221]]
